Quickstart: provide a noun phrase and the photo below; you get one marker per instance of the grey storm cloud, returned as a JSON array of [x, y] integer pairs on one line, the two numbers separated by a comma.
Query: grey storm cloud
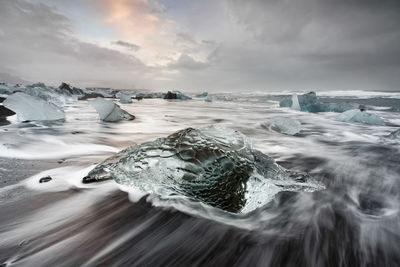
[[188, 63], [127, 45], [318, 42], [36, 44]]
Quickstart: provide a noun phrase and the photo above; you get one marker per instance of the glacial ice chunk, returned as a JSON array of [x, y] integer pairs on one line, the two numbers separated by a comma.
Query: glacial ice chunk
[[109, 111], [295, 102], [309, 102], [202, 95], [355, 115], [31, 108], [394, 135], [124, 97], [214, 165], [285, 125]]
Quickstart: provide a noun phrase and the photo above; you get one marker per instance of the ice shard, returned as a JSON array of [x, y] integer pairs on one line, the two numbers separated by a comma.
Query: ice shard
[[109, 111]]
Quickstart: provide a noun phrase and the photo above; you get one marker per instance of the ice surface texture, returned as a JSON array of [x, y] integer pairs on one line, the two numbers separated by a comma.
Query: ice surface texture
[[285, 125], [214, 165], [31, 108], [355, 115], [109, 111], [124, 97], [394, 135]]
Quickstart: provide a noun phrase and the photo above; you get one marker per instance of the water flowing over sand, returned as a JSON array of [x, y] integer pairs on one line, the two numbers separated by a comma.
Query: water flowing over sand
[[352, 220]]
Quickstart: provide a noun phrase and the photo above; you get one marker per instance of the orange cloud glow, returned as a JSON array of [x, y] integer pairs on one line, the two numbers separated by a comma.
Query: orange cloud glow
[[139, 22]]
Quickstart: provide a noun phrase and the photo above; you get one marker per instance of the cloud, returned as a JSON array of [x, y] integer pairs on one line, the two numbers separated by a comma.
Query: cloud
[[186, 62], [127, 45], [47, 50], [205, 45]]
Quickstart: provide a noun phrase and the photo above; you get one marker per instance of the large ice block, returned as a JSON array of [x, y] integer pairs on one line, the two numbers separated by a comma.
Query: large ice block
[[31, 108], [214, 165]]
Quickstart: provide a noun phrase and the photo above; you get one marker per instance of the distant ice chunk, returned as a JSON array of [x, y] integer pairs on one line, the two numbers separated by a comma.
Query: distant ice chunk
[[355, 115], [285, 125], [37, 85], [124, 97], [31, 108], [394, 135], [310, 103], [104, 92], [109, 111], [202, 95], [176, 95]]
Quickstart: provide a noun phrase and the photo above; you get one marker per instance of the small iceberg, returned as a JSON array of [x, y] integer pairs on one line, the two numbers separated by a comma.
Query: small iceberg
[[309, 102], [124, 97], [356, 115], [32, 108], [394, 135], [109, 111], [176, 95], [202, 95], [285, 125]]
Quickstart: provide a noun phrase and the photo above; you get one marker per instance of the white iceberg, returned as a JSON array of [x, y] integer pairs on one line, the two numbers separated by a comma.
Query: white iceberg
[[31, 108], [285, 125], [124, 97], [109, 111], [355, 115]]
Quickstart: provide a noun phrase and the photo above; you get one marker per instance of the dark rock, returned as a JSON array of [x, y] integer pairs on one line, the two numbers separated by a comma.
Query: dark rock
[[65, 87], [91, 95], [95, 179], [2, 99], [77, 91], [45, 179], [170, 95], [176, 95], [5, 112]]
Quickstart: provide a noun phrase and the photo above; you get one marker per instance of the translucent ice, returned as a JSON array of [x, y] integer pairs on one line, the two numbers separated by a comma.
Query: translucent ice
[[285, 125], [355, 115], [214, 165], [124, 97], [31, 108], [109, 111], [394, 135], [202, 95], [309, 102], [295, 102]]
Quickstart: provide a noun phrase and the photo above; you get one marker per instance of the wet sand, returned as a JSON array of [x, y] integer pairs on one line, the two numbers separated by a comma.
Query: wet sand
[[14, 170]]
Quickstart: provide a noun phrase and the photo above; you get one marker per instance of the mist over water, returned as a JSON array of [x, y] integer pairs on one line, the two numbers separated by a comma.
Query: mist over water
[[354, 221]]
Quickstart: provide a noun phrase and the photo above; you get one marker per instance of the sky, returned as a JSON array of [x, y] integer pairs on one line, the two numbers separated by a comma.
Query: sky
[[207, 45]]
